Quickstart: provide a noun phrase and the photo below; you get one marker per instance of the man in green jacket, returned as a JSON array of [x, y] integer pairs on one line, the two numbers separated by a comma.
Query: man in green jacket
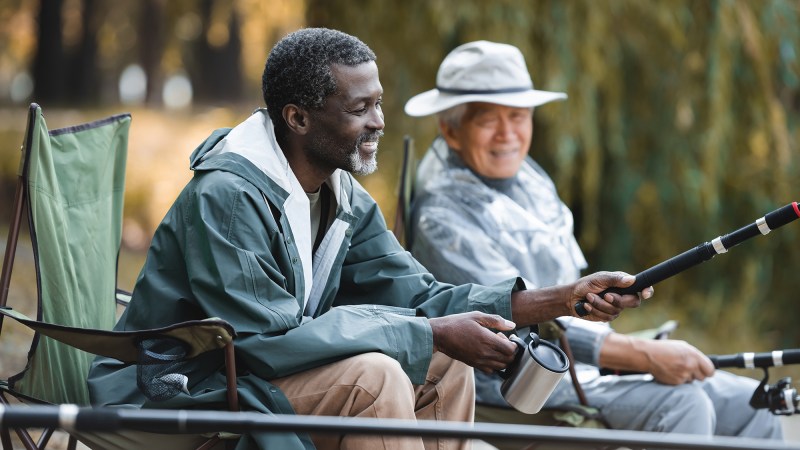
[[333, 316]]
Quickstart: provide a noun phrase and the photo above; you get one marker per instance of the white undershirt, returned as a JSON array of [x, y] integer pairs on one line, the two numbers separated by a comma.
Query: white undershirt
[[316, 212]]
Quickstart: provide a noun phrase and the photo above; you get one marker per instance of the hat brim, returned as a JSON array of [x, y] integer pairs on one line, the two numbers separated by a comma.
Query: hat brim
[[434, 101]]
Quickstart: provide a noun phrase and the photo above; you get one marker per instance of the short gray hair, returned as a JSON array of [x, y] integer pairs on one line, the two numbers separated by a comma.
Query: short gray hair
[[452, 116]]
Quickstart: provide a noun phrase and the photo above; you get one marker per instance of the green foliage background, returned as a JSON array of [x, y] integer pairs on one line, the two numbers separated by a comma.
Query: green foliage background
[[681, 126]]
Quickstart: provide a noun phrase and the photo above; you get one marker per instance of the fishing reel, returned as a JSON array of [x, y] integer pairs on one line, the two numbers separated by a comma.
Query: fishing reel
[[780, 398]]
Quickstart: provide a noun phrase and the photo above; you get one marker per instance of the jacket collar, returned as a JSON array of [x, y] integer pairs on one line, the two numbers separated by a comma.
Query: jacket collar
[[254, 139], [251, 151]]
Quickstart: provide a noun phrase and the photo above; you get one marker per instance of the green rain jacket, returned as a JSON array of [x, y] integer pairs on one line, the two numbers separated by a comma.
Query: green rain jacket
[[236, 245]]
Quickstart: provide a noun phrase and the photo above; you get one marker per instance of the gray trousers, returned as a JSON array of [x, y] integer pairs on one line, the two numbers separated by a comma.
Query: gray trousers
[[718, 405]]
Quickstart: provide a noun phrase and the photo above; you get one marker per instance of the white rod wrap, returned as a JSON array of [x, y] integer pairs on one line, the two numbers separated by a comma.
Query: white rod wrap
[[718, 247], [67, 415], [762, 225], [182, 421]]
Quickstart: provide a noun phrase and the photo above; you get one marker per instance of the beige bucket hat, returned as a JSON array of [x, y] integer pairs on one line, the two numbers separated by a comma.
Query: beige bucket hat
[[481, 71]]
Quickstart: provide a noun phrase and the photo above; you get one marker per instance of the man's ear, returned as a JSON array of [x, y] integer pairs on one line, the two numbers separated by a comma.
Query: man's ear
[[449, 135], [296, 118]]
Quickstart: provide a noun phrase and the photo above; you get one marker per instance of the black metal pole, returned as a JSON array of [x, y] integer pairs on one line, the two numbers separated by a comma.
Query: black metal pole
[[72, 418]]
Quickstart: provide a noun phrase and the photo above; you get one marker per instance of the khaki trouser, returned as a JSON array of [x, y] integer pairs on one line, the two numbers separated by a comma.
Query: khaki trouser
[[374, 385]]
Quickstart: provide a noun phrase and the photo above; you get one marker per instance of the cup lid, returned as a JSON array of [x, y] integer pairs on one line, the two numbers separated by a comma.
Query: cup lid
[[549, 356]]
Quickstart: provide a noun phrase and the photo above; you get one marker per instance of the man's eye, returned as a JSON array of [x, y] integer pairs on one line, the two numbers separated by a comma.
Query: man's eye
[[519, 117]]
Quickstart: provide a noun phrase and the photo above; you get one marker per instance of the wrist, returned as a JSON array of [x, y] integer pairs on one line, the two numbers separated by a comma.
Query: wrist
[[434, 334], [642, 354], [540, 305], [621, 352]]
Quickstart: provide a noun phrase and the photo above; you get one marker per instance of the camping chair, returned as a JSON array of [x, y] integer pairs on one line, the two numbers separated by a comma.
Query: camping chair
[[579, 415], [71, 181]]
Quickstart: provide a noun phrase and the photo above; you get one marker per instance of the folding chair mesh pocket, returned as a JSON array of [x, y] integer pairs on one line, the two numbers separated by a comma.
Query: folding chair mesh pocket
[[160, 367]]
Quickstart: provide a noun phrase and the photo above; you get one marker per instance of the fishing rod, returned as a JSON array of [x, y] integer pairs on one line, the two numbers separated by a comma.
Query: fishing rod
[[748, 360], [780, 398], [703, 252]]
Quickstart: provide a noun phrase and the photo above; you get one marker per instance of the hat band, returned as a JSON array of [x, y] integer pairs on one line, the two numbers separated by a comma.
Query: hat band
[[487, 91]]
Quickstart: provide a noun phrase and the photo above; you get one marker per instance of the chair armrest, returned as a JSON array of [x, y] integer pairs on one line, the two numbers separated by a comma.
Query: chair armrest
[[199, 335]]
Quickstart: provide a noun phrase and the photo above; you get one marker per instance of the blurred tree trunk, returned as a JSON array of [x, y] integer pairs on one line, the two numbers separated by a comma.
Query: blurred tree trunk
[[48, 63], [64, 75], [151, 47], [217, 74], [84, 79]]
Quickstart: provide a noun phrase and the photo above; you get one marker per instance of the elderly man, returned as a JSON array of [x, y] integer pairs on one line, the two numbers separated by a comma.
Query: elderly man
[[485, 211], [333, 316]]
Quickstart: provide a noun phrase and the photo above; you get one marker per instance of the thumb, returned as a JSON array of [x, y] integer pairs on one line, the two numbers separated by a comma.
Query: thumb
[[605, 280], [624, 279], [495, 322]]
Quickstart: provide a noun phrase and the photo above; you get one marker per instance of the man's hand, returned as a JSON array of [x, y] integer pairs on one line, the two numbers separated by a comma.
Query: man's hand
[[533, 306], [676, 362], [468, 337], [669, 361], [608, 307]]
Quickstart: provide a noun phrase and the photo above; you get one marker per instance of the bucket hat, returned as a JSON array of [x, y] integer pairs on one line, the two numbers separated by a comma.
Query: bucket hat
[[481, 71]]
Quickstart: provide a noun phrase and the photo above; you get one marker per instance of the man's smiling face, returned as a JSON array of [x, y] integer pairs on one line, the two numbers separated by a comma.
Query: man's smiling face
[[344, 133], [493, 140]]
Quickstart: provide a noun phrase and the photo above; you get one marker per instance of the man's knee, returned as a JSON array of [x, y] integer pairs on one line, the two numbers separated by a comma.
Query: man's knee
[[692, 396], [377, 373], [687, 409]]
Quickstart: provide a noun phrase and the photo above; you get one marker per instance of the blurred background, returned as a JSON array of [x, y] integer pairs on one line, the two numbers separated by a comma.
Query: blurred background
[[681, 123]]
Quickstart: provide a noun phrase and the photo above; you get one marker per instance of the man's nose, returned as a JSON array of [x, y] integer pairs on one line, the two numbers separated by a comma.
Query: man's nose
[[376, 120], [505, 128]]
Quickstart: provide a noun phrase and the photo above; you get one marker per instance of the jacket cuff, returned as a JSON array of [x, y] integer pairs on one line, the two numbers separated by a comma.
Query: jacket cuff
[[585, 339], [495, 299]]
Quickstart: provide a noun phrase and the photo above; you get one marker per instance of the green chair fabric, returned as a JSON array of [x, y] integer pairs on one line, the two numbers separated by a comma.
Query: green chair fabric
[[75, 218]]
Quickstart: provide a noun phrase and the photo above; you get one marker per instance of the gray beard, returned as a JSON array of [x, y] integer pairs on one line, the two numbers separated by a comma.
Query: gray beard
[[362, 167]]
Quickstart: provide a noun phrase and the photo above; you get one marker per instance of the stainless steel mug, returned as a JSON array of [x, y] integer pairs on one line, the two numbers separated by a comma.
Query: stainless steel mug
[[531, 378]]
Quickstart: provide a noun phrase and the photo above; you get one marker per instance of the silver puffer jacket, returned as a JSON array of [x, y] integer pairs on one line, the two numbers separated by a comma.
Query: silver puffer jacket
[[466, 228]]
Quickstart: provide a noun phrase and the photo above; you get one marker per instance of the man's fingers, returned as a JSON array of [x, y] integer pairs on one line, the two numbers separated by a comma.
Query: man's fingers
[[495, 322], [499, 355], [601, 309], [623, 279], [707, 367], [609, 304], [625, 301]]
